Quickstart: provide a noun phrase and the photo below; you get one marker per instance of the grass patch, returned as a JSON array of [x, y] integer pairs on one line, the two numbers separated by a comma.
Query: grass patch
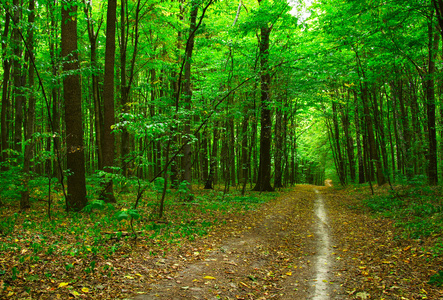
[[417, 211]]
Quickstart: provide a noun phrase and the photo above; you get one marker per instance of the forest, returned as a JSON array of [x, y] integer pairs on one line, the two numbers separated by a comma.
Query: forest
[[235, 94], [125, 110]]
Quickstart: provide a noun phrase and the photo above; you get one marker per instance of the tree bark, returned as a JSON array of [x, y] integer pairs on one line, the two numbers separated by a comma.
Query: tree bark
[[213, 165], [18, 78], [187, 148], [76, 198], [278, 147], [5, 102], [98, 107], [264, 169], [430, 106], [29, 129], [108, 101]]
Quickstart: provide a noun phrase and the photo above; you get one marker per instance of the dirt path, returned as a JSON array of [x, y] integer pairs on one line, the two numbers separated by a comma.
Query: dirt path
[[283, 251]]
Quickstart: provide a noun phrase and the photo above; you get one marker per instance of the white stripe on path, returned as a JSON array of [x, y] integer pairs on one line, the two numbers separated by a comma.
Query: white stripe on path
[[323, 259]]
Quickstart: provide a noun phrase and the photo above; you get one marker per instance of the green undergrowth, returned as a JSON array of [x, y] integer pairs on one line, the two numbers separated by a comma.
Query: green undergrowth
[[69, 244], [417, 210]]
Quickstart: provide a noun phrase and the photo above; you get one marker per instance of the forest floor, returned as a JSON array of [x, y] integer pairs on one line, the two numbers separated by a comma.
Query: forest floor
[[309, 242]]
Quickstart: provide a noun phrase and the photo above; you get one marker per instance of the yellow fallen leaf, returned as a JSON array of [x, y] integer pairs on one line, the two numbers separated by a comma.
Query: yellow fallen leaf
[[75, 293], [289, 273], [129, 277], [62, 284], [85, 290], [209, 277], [10, 294]]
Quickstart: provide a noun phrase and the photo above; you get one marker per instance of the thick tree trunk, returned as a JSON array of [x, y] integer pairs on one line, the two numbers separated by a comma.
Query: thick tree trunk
[[76, 199], [108, 101], [264, 169]]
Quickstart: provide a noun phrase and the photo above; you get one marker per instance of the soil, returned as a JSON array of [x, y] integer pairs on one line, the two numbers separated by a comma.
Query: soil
[[284, 250]]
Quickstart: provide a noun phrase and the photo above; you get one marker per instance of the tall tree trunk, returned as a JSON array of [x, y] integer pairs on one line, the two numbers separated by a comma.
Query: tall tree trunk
[[430, 105], [18, 78], [278, 147], [108, 101], [213, 165], [187, 155], [29, 129], [348, 138], [98, 107], [244, 150], [124, 89], [361, 168], [76, 199], [335, 134], [5, 87], [372, 144], [54, 166], [264, 169]]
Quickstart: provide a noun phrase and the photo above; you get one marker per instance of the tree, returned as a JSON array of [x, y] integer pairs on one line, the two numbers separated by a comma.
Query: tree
[[5, 86], [29, 128], [76, 197], [108, 148], [264, 169]]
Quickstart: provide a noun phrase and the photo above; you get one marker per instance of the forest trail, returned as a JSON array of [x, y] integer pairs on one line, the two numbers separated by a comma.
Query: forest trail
[[282, 251]]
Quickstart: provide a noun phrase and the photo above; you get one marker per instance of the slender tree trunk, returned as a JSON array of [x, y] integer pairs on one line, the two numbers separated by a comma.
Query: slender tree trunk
[[372, 145], [278, 147], [98, 107], [244, 152], [335, 135], [124, 89], [187, 155], [76, 199], [361, 168], [29, 129], [55, 98], [213, 165], [18, 78], [430, 106], [5, 102], [232, 155], [349, 140]]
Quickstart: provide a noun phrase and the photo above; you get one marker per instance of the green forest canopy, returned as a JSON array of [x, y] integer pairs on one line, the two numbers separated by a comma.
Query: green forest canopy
[[203, 92]]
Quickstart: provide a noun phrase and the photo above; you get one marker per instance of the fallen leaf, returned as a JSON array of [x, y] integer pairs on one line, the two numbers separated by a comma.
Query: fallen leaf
[[62, 284], [209, 277]]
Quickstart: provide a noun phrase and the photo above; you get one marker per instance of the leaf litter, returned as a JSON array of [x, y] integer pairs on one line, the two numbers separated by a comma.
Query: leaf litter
[[267, 251]]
